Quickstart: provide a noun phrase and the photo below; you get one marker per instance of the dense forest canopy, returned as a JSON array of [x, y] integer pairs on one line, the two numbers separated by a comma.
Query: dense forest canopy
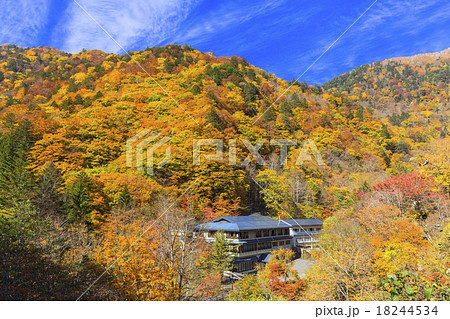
[[381, 129]]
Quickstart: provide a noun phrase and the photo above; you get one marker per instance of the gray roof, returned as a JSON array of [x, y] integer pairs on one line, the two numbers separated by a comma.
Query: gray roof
[[303, 222], [254, 221]]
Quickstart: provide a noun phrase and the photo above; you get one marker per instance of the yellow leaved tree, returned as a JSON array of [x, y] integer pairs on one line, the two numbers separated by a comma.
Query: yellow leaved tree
[[129, 246]]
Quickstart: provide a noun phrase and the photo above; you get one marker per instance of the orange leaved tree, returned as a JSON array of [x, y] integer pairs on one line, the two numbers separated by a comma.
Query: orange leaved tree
[[129, 248]]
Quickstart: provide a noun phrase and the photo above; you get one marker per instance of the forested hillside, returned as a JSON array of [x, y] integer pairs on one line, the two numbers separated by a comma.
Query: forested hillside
[[409, 91], [69, 205]]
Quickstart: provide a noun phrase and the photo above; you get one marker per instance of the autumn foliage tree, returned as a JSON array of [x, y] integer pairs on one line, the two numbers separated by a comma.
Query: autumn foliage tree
[[412, 194], [344, 262], [128, 249], [398, 242], [274, 281], [281, 278], [86, 200], [377, 253]]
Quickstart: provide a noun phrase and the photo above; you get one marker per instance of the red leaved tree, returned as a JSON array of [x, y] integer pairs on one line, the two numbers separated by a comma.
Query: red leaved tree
[[412, 193]]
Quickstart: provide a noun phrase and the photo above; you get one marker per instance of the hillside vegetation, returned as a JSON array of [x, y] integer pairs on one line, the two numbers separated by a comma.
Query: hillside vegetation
[[65, 188]]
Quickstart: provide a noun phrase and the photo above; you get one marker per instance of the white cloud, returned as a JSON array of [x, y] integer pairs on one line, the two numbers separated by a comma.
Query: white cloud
[[412, 14], [127, 22], [22, 20], [226, 16], [390, 28]]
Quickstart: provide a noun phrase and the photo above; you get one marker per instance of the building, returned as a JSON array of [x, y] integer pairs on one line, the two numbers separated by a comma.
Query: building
[[257, 236], [304, 233]]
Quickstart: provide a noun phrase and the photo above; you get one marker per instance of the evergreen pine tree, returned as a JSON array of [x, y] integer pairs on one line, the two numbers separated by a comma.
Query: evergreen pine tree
[[222, 253], [214, 119], [79, 200], [16, 182], [124, 198]]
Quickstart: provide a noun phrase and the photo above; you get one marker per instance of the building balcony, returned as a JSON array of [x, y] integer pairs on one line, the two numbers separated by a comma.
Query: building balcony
[[253, 253], [257, 252], [305, 233], [306, 242]]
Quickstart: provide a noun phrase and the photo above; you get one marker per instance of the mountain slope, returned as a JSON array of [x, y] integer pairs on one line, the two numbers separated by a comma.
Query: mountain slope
[[83, 107], [413, 90]]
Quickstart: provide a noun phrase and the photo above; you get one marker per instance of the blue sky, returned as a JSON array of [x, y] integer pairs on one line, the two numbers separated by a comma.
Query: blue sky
[[282, 37]]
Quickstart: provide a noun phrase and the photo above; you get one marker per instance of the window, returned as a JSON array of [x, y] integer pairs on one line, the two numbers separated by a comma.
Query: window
[[258, 233], [275, 244], [244, 266], [286, 231], [266, 233], [279, 232], [265, 245], [273, 232], [247, 247], [253, 247], [244, 235]]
